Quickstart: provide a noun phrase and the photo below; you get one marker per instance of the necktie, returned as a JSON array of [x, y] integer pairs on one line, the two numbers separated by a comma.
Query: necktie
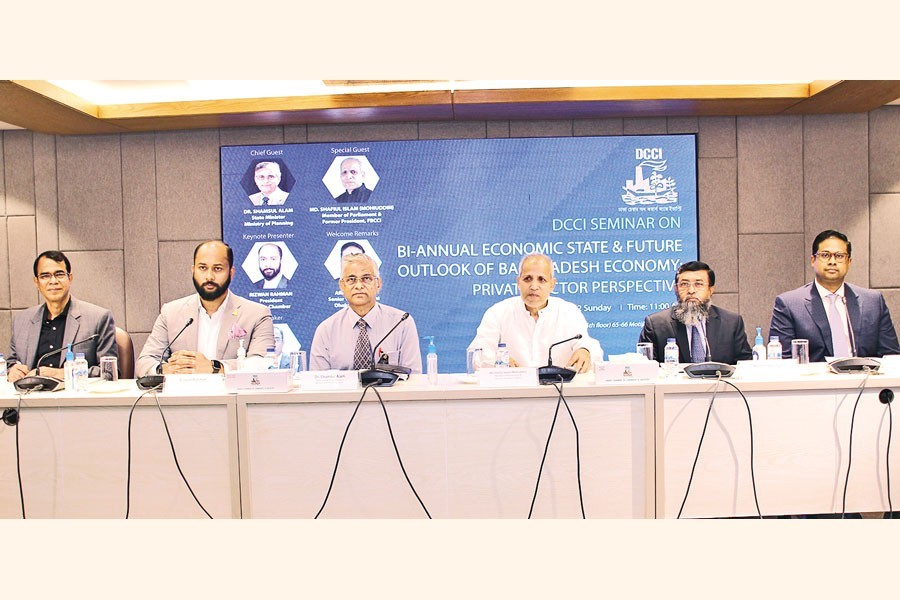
[[698, 346], [362, 356], [265, 201], [839, 342]]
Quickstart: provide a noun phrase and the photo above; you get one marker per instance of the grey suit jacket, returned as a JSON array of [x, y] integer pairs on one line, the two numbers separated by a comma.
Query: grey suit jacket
[[84, 319], [800, 314], [724, 332], [252, 317]]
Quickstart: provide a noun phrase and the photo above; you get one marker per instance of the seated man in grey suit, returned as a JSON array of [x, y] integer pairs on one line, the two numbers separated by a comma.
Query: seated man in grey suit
[[838, 319], [218, 321], [703, 332], [60, 321]]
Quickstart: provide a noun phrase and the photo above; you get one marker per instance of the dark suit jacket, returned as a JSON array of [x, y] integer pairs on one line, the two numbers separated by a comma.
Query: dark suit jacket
[[282, 285], [360, 195], [724, 331], [800, 314], [84, 319]]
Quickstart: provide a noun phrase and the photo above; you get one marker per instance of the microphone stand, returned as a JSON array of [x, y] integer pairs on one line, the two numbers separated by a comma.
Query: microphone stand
[[38, 383], [149, 382], [552, 374], [383, 375]]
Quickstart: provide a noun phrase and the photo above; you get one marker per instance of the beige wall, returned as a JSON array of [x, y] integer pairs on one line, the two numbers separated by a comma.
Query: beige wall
[[135, 205]]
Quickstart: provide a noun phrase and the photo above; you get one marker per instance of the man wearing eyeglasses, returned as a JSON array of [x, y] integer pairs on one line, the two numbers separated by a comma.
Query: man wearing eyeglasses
[[839, 319], [267, 176], [703, 332], [345, 339], [59, 321]]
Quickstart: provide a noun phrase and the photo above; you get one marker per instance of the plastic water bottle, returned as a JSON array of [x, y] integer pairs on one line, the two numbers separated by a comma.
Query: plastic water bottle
[[431, 363], [502, 356], [774, 348], [2, 367], [241, 355], [81, 372], [671, 357], [69, 370], [271, 359], [759, 349]]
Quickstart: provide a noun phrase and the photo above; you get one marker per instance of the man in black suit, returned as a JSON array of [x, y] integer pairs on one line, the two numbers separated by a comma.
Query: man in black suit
[[353, 178], [703, 332]]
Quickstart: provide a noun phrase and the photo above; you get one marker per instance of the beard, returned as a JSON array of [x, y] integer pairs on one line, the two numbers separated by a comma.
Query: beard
[[214, 294], [270, 274], [692, 313]]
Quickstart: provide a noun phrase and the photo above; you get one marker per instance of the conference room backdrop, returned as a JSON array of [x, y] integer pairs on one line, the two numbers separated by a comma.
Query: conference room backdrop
[[128, 209]]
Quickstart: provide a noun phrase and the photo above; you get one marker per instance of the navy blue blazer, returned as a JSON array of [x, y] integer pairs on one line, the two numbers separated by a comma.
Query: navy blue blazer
[[801, 314]]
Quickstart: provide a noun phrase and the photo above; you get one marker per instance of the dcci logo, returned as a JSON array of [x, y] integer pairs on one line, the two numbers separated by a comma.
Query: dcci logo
[[653, 189]]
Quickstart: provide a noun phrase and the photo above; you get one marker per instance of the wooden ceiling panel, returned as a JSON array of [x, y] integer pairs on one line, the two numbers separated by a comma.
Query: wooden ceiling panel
[[41, 106], [31, 110]]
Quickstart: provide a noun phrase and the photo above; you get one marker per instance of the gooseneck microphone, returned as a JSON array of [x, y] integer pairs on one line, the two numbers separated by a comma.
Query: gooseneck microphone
[[551, 374], [156, 380], [383, 375], [708, 369], [37, 383]]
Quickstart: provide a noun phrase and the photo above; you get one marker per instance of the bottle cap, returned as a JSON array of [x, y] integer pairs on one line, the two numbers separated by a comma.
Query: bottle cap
[[670, 340]]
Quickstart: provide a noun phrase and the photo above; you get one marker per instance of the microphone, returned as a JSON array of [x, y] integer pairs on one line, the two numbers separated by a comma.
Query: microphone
[[148, 382], [551, 374], [37, 383], [709, 369], [383, 375]]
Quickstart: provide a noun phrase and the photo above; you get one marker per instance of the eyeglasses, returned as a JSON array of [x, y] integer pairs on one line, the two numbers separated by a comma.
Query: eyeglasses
[[366, 280], [686, 285], [58, 275], [838, 256]]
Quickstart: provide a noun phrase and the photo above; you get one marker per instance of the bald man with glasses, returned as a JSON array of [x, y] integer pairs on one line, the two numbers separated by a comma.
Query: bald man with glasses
[[839, 319]]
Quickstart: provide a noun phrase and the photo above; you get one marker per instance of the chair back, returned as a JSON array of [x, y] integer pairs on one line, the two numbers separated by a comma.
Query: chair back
[[126, 354]]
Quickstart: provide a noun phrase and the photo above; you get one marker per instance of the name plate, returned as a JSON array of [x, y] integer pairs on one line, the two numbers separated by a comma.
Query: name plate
[[329, 380], [195, 384], [272, 380], [508, 377], [631, 371]]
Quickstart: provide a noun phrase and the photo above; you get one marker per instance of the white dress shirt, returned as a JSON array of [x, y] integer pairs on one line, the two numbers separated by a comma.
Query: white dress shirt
[[208, 327], [527, 339]]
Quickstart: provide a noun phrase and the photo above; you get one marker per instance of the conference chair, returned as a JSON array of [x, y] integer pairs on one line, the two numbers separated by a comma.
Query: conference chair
[[126, 354]]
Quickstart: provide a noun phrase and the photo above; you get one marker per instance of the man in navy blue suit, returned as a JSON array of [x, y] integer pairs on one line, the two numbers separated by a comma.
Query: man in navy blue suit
[[839, 319]]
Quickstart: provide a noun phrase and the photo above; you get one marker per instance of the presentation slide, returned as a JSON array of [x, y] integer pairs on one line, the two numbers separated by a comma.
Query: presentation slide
[[448, 221]]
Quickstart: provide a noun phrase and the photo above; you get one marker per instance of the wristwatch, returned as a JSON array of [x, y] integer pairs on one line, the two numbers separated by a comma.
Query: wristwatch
[[217, 366]]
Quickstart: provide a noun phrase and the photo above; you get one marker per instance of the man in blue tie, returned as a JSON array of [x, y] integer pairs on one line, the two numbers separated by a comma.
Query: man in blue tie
[[839, 319], [703, 332]]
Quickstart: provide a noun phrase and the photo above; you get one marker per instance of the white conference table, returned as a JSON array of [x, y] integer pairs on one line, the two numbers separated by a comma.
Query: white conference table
[[801, 431], [470, 451]]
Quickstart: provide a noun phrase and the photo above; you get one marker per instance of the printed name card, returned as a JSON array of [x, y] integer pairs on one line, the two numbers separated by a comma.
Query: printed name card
[[271, 380], [508, 377], [633, 371], [194, 384], [329, 380]]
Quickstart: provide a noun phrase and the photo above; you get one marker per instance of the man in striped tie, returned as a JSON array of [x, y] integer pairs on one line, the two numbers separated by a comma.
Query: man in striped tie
[[345, 339], [839, 319], [703, 332]]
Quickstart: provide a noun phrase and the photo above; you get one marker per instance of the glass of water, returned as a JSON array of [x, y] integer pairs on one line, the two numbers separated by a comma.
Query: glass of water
[[109, 368], [645, 349], [800, 351]]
